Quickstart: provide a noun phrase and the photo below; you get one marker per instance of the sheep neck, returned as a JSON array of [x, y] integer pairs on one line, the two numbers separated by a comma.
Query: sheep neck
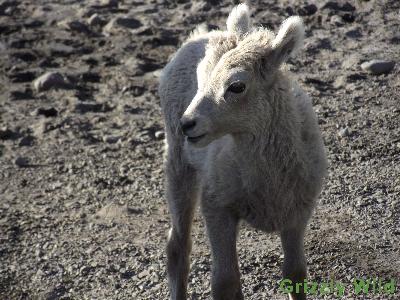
[[269, 151]]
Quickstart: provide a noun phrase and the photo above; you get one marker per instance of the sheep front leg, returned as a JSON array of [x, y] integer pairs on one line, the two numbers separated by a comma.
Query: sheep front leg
[[222, 227], [294, 265], [181, 196]]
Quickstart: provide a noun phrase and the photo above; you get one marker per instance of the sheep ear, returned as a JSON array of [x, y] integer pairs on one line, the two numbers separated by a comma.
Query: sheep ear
[[289, 39], [239, 20]]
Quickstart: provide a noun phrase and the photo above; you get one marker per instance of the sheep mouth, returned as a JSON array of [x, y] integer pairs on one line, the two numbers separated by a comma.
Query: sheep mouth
[[195, 139]]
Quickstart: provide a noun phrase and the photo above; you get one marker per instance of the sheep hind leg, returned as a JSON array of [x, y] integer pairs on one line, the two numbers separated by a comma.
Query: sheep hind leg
[[294, 265], [222, 227], [181, 197]]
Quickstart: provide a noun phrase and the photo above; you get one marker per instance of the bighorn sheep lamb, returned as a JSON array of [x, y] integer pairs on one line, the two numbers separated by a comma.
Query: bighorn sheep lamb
[[242, 138]]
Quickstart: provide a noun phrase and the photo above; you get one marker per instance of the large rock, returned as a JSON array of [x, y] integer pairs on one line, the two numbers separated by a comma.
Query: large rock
[[377, 66]]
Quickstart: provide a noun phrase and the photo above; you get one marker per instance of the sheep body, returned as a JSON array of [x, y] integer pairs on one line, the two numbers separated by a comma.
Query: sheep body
[[256, 155]]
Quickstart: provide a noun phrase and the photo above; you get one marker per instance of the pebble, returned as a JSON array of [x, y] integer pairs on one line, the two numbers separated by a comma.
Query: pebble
[[110, 3], [336, 20], [122, 22], [84, 107], [348, 17], [74, 26], [111, 139], [133, 65], [95, 20], [21, 161], [25, 76], [40, 128], [354, 33], [377, 66], [143, 274], [26, 141], [308, 10], [26, 56], [344, 132], [47, 112], [7, 134], [49, 80], [159, 134], [351, 61], [58, 49], [337, 6]]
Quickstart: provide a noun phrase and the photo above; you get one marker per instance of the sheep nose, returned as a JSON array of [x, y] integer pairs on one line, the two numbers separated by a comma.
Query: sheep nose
[[186, 125]]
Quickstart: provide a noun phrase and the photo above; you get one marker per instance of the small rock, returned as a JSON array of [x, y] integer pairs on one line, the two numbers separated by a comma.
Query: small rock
[[111, 139], [84, 270], [95, 20], [133, 65], [344, 132], [348, 17], [351, 61], [26, 56], [354, 33], [340, 82], [47, 112], [134, 89], [26, 141], [22, 77], [148, 65], [110, 3], [307, 10], [317, 83], [90, 77], [23, 94], [21, 161], [54, 293], [127, 274], [159, 134], [7, 134], [3, 47], [337, 20], [143, 274], [85, 107], [6, 7], [378, 67], [337, 6], [394, 40], [48, 62], [33, 23], [40, 128], [74, 26], [62, 50], [354, 77], [122, 22], [50, 80]]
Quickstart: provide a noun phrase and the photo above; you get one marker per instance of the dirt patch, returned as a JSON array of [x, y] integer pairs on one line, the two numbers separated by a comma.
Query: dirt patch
[[82, 211]]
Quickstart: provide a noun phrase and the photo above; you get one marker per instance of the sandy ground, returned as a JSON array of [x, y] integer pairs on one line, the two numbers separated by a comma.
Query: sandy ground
[[82, 211]]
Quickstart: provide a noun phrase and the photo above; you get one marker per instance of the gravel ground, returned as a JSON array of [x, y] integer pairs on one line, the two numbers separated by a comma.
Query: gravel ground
[[82, 211]]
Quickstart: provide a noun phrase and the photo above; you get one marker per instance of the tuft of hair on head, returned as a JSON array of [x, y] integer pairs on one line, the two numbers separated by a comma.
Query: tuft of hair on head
[[198, 31], [238, 21], [289, 38]]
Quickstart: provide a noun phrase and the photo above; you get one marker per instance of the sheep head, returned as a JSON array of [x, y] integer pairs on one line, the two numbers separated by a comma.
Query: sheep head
[[239, 67]]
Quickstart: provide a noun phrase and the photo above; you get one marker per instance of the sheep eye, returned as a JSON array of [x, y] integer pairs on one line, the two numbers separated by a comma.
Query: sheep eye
[[237, 87]]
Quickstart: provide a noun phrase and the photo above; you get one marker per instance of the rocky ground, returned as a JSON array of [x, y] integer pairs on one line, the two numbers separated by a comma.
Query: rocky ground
[[82, 213]]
